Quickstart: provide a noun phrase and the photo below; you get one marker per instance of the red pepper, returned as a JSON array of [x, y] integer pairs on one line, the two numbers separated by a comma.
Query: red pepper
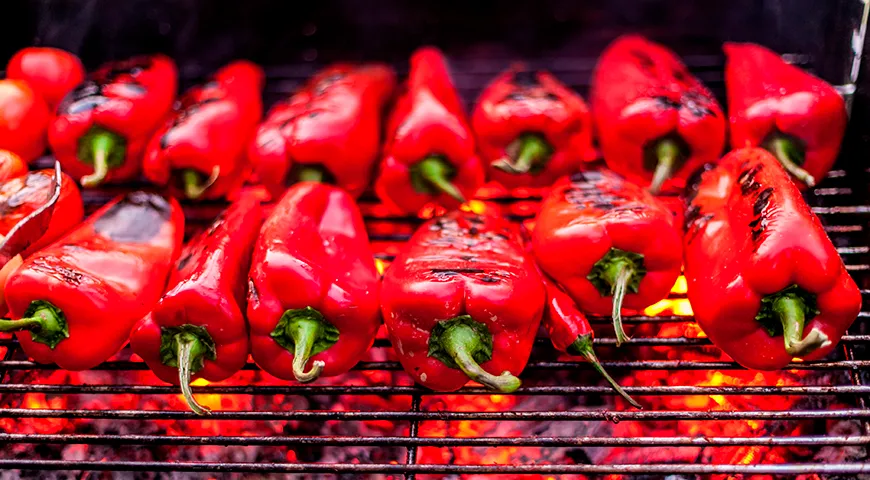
[[313, 286], [429, 154], [531, 129], [765, 282], [80, 297], [205, 140], [51, 72], [24, 118], [609, 243], [463, 301], [11, 165], [328, 130], [104, 124], [656, 122], [198, 328], [798, 117]]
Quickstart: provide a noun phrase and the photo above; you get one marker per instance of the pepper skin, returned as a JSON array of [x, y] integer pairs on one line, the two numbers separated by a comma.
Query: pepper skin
[[798, 117], [51, 72], [205, 140], [462, 302], [103, 126], [313, 286], [609, 243], [81, 296], [531, 129], [765, 282], [201, 317], [330, 130], [24, 118], [430, 153], [11, 165], [656, 122]]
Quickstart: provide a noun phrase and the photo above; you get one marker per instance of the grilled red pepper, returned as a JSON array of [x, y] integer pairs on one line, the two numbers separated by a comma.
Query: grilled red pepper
[[798, 117], [609, 243], [80, 297], [531, 129], [104, 124], [204, 142], [24, 118], [313, 286], [198, 328], [51, 72], [765, 282], [429, 154], [656, 123], [328, 130], [463, 301], [11, 165]]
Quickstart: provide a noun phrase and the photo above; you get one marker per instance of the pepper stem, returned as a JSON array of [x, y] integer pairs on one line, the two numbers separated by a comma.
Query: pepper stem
[[310, 174], [305, 332], [46, 323], [461, 342], [667, 153], [190, 352], [193, 188], [618, 274], [435, 172], [784, 149], [583, 347], [102, 144], [791, 311], [532, 152]]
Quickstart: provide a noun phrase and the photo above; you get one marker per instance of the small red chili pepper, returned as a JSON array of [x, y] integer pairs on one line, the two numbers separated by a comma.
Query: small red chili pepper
[[51, 72], [75, 302], [656, 123], [198, 328], [329, 130], [429, 154], [609, 243], [204, 142], [313, 286], [463, 301], [104, 124], [531, 129], [798, 117], [24, 118], [765, 282], [11, 165]]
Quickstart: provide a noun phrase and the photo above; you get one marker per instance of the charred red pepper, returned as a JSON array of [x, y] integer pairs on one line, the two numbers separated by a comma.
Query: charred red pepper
[[430, 153], [313, 286], [609, 243], [51, 72], [463, 301], [24, 118], [531, 129], [198, 328], [798, 117], [204, 142], [11, 165], [75, 302], [330, 130], [656, 123], [765, 282], [104, 124]]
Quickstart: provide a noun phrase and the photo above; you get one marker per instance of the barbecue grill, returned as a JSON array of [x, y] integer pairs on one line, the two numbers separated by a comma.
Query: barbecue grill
[[703, 414]]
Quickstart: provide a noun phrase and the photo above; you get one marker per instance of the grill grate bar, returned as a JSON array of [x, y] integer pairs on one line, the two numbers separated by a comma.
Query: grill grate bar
[[411, 442]]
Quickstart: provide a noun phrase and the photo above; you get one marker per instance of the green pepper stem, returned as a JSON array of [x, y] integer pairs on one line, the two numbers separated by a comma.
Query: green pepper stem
[[459, 341], [193, 188], [305, 332], [310, 174], [667, 152], [30, 323], [102, 144], [43, 320], [782, 149], [582, 346], [533, 151], [792, 313], [435, 171], [618, 274], [190, 351]]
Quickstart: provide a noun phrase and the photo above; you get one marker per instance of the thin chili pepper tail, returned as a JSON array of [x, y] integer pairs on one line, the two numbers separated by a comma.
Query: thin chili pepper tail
[[582, 347]]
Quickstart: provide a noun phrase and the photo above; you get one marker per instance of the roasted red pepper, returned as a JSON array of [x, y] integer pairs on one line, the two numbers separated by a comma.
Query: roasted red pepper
[[313, 286], [51, 72], [765, 282], [531, 129], [329, 130], [104, 124], [204, 143], [609, 243], [798, 117], [429, 154], [75, 302], [463, 301], [656, 123], [11, 165], [198, 328], [24, 118]]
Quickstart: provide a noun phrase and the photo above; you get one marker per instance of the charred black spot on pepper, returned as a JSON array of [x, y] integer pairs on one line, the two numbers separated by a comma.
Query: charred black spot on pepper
[[457, 270], [666, 102], [697, 104], [758, 229], [468, 258], [749, 175], [70, 276], [137, 218], [488, 279], [473, 231], [515, 96], [643, 59], [502, 236], [755, 223], [748, 187], [691, 215], [762, 200], [183, 261], [551, 96], [525, 78]]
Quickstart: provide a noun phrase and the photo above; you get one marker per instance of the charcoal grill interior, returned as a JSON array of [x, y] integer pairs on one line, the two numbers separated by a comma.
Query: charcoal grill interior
[[842, 202]]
